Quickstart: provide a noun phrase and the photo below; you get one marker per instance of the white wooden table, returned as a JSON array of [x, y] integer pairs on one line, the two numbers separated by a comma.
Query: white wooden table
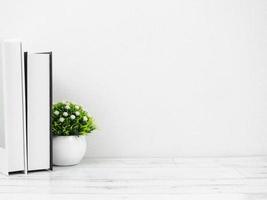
[[154, 178]]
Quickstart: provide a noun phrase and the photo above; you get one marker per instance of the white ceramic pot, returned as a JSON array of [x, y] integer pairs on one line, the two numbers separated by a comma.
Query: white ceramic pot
[[68, 150]]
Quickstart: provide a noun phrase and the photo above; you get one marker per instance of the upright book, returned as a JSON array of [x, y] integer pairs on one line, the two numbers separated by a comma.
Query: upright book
[[38, 73], [12, 105]]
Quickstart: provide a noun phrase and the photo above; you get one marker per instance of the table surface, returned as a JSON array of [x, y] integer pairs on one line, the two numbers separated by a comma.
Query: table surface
[[224, 178]]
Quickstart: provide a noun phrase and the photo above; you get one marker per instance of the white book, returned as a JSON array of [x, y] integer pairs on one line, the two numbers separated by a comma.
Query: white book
[[38, 67], [12, 121]]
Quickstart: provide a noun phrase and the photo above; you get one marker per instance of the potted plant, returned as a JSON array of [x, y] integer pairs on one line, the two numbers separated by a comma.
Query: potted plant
[[70, 124]]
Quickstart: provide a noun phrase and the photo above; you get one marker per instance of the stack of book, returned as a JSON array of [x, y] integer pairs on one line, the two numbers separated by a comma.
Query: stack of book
[[25, 109]]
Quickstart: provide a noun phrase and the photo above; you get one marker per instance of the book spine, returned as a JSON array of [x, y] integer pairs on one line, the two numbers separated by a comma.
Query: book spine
[[13, 104], [38, 68]]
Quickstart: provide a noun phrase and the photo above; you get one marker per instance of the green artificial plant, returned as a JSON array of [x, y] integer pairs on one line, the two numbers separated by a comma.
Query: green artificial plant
[[70, 119]]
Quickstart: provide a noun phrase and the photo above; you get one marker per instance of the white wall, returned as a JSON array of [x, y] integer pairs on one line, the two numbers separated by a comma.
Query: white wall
[[162, 78]]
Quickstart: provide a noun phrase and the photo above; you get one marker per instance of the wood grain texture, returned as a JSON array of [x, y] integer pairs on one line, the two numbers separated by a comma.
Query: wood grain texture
[[155, 178]]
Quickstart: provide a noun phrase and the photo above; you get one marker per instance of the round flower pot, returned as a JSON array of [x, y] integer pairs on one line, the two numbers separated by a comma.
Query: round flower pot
[[68, 150]]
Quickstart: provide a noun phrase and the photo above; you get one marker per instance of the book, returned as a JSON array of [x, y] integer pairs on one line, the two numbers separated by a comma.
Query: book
[[38, 74], [12, 108]]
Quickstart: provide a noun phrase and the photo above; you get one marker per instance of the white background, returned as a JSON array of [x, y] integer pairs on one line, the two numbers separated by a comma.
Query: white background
[[162, 78]]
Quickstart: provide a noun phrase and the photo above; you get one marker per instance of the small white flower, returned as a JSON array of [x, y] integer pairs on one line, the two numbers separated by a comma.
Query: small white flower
[[77, 107], [67, 107], [65, 114], [56, 112], [77, 113], [85, 118], [61, 119], [72, 117]]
